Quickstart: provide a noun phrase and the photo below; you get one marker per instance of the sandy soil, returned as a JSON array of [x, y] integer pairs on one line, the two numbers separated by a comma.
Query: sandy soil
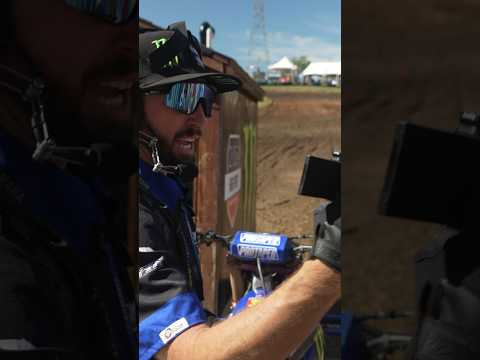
[[377, 255], [296, 124], [401, 61]]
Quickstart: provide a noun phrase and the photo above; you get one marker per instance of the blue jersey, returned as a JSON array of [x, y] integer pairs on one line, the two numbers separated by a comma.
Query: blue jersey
[[65, 286], [170, 285]]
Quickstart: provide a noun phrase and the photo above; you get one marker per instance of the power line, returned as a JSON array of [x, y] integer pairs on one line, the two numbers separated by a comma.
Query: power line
[[258, 50]]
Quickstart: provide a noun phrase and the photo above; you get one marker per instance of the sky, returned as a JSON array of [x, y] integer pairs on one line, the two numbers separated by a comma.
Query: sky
[[294, 27]]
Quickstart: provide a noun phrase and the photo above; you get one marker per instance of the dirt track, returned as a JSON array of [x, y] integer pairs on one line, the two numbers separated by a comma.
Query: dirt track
[[401, 61], [404, 65], [296, 124]]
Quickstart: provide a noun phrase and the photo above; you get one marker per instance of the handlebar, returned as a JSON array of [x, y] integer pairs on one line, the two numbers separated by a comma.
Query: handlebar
[[210, 236], [270, 248]]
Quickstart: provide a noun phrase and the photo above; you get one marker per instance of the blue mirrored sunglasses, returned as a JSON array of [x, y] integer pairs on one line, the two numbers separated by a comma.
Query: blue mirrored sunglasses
[[114, 11], [185, 97]]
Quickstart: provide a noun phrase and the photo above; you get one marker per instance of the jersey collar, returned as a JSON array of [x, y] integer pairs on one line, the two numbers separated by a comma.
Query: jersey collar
[[69, 205], [166, 189]]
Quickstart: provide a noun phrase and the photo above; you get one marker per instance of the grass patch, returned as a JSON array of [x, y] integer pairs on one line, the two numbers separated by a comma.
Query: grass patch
[[302, 89]]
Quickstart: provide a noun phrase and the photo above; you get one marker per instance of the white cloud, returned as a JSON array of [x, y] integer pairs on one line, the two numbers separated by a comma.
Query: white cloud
[[286, 44], [315, 48], [326, 25]]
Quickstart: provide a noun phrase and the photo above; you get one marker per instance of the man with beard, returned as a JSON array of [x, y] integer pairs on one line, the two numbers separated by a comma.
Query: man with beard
[[178, 95], [67, 104]]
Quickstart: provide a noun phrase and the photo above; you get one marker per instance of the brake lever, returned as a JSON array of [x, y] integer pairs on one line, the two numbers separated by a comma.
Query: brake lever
[[210, 236]]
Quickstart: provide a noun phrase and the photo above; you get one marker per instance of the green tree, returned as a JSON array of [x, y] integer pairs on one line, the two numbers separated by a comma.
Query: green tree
[[302, 62]]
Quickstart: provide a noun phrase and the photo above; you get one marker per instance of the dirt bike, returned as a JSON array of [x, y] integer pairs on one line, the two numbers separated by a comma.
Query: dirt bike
[[266, 260]]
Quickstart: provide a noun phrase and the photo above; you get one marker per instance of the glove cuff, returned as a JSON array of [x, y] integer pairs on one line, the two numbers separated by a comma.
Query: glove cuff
[[327, 254]]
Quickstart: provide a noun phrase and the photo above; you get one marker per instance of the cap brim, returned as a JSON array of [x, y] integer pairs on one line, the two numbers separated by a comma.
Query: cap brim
[[221, 82]]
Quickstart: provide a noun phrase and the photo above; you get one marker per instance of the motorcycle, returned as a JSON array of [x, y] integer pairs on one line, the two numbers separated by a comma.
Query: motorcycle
[[266, 260]]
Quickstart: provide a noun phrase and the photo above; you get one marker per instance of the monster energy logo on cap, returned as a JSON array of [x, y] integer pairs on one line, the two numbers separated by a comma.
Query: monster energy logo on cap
[[160, 42]]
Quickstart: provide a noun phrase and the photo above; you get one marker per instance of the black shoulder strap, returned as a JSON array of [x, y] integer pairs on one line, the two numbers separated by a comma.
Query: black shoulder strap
[[146, 196], [21, 222]]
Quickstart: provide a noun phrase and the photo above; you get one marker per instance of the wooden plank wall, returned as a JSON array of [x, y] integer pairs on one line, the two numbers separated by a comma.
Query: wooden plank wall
[[206, 204]]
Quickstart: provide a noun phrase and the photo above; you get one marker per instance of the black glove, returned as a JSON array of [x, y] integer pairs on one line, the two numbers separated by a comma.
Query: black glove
[[327, 245]]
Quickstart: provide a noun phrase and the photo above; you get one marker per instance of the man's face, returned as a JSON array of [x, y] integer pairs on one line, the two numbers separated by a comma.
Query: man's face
[[89, 66], [175, 131]]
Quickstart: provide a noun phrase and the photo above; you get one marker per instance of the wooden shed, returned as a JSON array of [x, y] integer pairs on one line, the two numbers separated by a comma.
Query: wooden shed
[[224, 193]]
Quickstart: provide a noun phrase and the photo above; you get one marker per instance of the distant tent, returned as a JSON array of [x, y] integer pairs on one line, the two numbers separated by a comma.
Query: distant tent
[[323, 68], [283, 64], [329, 73]]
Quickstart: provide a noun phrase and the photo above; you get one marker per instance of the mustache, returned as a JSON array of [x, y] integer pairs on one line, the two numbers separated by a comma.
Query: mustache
[[190, 132]]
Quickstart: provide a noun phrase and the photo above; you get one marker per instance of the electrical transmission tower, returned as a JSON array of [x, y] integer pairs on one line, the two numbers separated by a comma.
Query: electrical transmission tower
[[258, 50]]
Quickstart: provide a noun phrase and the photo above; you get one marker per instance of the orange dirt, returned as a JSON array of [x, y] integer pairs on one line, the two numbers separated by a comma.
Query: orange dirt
[[296, 124]]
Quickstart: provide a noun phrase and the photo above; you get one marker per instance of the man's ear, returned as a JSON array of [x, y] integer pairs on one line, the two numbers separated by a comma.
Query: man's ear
[[144, 121]]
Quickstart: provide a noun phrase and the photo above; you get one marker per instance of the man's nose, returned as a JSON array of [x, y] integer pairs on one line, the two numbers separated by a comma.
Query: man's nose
[[199, 116]]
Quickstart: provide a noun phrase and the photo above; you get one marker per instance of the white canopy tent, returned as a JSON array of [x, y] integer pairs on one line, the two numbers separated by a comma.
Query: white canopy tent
[[323, 68], [329, 72], [283, 64]]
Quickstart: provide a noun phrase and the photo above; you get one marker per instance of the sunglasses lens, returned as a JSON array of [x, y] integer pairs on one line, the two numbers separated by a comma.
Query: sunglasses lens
[[207, 101], [185, 97], [115, 11]]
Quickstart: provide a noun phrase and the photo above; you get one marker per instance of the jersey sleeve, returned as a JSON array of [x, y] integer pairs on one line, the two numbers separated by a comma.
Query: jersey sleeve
[[167, 305]]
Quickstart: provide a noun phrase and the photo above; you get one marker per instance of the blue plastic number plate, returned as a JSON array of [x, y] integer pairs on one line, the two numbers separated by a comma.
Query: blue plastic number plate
[[270, 248]]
